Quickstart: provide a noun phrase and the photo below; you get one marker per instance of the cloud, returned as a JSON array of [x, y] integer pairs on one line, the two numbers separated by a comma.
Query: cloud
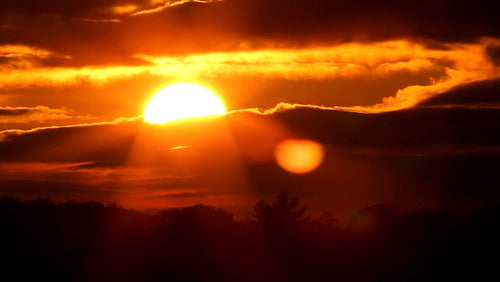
[[424, 130], [358, 20], [32, 114], [93, 10], [66, 76], [10, 134], [344, 60], [25, 57], [476, 94], [493, 51], [111, 143], [281, 107], [7, 51], [466, 68], [108, 34], [293, 20], [62, 9], [460, 120], [461, 63], [165, 4], [101, 20]]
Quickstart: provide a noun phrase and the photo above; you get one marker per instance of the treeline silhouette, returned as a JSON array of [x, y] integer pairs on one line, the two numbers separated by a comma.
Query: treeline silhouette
[[45, 241]]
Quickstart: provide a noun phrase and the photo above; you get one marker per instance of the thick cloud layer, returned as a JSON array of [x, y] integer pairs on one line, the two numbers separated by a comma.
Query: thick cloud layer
[[478, 94], [426, 130], [100, 143], [115, 28], [454, 119]]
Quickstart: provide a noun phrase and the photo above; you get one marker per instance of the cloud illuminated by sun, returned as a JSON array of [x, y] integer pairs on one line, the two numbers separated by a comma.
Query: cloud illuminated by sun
[[165, 4], [461, 63]]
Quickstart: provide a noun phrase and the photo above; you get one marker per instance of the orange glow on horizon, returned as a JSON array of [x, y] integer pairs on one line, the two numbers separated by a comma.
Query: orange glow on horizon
[[299, 156]]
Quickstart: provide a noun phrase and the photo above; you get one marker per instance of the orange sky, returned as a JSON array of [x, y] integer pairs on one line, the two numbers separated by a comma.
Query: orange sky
[[99, 60], [377, 76], [95, 64]]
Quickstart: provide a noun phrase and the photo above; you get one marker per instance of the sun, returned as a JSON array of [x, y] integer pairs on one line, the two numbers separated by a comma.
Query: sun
[[180, 101]]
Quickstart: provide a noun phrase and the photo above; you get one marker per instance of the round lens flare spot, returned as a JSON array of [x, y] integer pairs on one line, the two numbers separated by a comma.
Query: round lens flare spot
[[180, 101], [299, 156]]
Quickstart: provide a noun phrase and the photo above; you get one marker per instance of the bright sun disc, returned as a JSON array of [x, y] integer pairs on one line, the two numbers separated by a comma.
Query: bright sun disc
[[180, 101]]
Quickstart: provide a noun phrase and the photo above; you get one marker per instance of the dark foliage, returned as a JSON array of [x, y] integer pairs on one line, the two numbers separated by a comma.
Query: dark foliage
[[44, 241], [281, 215]]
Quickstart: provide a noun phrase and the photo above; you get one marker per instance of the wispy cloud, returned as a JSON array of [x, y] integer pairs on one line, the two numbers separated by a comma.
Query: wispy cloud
[[32, 114], [346, 60], [24, 57], [9, 51], [100, 20], [5, 134], [282, 107], [165, 4]]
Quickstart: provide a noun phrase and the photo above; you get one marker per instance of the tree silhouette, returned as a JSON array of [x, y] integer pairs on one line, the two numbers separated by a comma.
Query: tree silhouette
[[281, 215], [72, 241]]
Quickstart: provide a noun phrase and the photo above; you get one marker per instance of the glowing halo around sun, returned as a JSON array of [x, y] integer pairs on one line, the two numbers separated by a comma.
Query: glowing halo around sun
[[181, 101]]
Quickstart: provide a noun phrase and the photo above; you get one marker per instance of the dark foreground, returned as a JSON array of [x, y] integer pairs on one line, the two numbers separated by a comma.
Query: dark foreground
[[44, 241]]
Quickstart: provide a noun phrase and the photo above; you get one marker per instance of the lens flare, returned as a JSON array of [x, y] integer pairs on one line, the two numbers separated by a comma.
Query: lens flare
[[299, 156]]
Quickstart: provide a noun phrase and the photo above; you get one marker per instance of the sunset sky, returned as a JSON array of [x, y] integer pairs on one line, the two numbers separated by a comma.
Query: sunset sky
[[402, 99]]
